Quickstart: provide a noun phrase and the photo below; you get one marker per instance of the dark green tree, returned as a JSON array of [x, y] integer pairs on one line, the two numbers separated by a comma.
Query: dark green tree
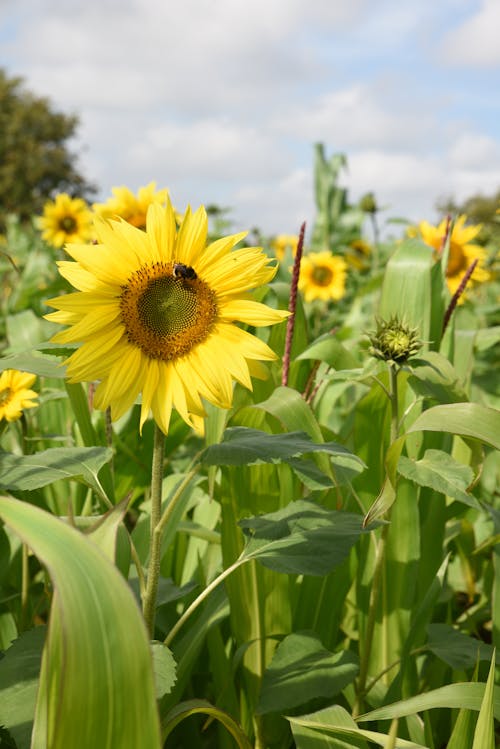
[[35, 160]]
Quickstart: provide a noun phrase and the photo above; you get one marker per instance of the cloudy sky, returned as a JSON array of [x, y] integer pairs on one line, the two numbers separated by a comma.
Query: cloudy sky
[[221, 101]]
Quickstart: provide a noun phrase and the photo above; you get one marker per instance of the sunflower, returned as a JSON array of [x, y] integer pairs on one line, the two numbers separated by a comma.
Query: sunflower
[[154, 312], [132, 208], [462, 251], [322, 276], [15, 393], [65, 219], [282, 242], [358, 254]]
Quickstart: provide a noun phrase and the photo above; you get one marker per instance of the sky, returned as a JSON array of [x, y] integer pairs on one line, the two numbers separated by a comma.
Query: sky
[[222, 101]]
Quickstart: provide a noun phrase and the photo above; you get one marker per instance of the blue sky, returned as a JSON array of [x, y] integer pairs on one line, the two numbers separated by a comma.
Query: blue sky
[[221, 101]]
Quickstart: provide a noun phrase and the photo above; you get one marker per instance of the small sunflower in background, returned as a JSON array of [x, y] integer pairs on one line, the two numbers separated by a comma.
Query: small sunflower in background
[[65, 219], [129, 206], [16, 394], [155, 313], [462, 250], [322, 276], [283, 242], [358, 254]]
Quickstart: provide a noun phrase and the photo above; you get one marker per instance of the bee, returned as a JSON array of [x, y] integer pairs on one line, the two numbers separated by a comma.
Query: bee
[[184, 271]]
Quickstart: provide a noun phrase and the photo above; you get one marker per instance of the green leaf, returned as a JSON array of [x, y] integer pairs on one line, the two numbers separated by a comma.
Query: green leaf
[[336, 722], [197, 707], [164, 667], [245, 446], [466, 419], [302, 669], [43, 366], [19, 672], [455, 648], [301, 538], [441, 472], [90, 674], [433, 376], [484, 735], [328, 348], [459, 695], [28, 472]]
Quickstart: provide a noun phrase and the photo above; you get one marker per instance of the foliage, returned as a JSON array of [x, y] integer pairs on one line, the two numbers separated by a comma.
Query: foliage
[[35, 160], [325, 556]]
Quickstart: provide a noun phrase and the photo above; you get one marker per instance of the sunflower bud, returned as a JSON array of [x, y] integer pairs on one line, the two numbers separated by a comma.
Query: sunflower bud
[[394, 341], [368, 203]]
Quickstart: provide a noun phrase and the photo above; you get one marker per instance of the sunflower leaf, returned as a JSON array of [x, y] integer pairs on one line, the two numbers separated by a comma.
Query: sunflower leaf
[[302, 669], [441, 472], [28, 472], [245, 446], [301, 538]]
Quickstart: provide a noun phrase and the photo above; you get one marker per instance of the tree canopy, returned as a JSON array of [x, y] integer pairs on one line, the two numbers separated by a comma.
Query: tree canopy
[[35, 159]]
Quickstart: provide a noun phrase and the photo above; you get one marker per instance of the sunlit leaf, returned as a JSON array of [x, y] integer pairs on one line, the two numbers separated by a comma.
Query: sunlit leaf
[[28, 472], [439, 471], [89, 669]]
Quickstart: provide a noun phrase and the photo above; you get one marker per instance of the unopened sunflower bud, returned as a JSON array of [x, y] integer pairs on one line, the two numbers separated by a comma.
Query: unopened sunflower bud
[[394, 341], [368, 203]]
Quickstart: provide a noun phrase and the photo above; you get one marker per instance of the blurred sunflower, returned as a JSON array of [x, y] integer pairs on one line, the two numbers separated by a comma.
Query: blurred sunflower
[[322, 276], [282, 242], [155, 310], [65, 219], [358, 254], [462, 250], [132, 208], [15, 393]]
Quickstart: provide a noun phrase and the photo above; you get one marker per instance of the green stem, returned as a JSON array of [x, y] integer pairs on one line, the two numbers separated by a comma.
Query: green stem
[[149, 600], [379, 564], [215, 582]]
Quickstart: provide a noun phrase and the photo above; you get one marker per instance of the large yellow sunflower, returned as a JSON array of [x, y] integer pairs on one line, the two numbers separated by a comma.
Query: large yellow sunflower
[[15, 393], [322, 276], [132, 208], [154, 312], [66, 219], [462, 251]]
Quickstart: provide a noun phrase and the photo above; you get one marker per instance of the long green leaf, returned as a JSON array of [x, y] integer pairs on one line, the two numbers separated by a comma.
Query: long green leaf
[[95, 689], [484, 735], [197, 707]]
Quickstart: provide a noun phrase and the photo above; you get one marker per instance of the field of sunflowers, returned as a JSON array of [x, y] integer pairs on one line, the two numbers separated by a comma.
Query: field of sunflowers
[[249, 485]]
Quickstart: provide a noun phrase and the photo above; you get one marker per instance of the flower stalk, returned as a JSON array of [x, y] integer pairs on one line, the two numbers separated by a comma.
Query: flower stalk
[[153, 575]]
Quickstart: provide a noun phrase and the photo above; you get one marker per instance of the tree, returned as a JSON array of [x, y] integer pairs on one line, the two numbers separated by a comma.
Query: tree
[[35, 162], [479, 209]]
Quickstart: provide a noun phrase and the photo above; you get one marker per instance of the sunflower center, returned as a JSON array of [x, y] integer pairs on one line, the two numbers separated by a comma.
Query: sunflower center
[[5, 396], [322, 276], [456, 260], [68, 224], [166, 316]]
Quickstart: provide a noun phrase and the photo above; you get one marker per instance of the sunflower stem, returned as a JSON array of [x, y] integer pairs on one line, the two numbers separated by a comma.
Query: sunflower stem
[[377, 579], [153, 575]]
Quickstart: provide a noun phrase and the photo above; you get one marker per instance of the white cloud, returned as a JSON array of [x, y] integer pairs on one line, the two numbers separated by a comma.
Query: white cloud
[[360, 116], [475, 41]]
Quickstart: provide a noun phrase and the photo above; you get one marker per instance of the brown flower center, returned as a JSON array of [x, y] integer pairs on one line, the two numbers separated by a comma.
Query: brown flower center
[[68, 224], [321, 275], [166, 316]]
